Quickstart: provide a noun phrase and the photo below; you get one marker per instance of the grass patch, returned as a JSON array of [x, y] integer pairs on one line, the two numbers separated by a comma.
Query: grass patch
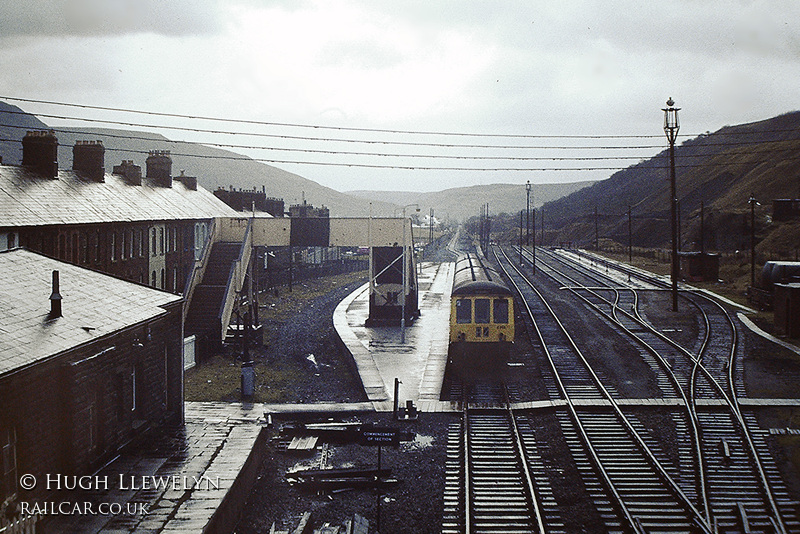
[[278, 378], [220, 380]]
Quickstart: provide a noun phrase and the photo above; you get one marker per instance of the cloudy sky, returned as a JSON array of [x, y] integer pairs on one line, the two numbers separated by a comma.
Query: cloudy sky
[[525, 79]]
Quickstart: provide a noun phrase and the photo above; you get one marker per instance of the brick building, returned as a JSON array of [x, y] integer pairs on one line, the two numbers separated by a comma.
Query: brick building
[[145, 229], [251, 200], [87, 361]]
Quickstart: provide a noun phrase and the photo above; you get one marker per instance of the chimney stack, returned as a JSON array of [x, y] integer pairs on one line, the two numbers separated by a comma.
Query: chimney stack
[[189, 181], [40, 152], [131, 173], [88, 157], [159, 168], [55, 299]]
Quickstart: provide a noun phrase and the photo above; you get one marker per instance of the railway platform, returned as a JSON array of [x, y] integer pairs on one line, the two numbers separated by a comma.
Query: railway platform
[[381, 355]]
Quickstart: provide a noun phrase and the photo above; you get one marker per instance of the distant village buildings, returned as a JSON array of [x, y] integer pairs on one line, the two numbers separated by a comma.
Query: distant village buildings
[[251, 200]]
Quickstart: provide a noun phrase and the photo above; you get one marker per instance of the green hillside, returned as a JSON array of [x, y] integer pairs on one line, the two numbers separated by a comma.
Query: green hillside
[[721, 169]]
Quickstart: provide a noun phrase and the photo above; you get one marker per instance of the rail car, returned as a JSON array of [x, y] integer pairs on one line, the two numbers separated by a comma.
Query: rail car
[[481, 318]]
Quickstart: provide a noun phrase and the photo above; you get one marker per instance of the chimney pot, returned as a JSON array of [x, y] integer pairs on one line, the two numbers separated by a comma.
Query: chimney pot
[[159, 168], [88, 157], [40, 152], [131, 173], [55, 298]]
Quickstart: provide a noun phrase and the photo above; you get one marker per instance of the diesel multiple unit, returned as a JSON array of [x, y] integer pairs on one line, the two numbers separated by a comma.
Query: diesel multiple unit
[[481, 317]]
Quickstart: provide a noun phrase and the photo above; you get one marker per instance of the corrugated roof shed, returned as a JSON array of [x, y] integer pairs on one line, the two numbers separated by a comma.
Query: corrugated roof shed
[[29, 199], [94, 305]]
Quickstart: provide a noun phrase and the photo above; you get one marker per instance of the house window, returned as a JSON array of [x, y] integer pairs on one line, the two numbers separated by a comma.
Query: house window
[[12, 240], [153, 279], [113, 246], [62, 247], [8, 462], [124, 246], [74, 248], [163, 279], [84, 248], [161, 241], [153, 236]]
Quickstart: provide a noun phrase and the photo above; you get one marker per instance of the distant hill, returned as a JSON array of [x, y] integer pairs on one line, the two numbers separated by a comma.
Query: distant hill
[[13, 124], [216, 168], [461, 203], [721, 169], [213, 167]]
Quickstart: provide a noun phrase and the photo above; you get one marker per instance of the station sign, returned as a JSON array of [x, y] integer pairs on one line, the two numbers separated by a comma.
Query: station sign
[[383, 436]]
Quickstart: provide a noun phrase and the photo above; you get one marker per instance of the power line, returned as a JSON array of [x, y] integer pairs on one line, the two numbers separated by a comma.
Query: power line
[[326, 139], [409, 167], [434, 156], [370, 130], [323, 127]]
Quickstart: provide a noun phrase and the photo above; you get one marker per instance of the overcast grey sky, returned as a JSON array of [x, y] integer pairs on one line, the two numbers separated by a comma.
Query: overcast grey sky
[[531, 68]]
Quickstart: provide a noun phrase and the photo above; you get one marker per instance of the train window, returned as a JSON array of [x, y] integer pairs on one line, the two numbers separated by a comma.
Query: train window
[[501, 311], [482, 307], [463, 311]]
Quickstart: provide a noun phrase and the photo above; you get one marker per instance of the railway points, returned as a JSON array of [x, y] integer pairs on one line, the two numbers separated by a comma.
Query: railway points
[[628, 463]]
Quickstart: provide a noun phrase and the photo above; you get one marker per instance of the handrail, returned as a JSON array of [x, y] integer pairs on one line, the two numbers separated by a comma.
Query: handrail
[[199, 268], [236, 279]]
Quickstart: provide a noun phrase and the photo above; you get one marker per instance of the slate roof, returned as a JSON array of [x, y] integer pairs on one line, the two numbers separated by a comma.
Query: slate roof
[[93, 305], [29, 199]]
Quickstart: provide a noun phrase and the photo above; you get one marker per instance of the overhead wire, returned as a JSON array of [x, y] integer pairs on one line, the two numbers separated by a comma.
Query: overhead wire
[[364, 153], [361, 129], [400, 167], [323, 127]]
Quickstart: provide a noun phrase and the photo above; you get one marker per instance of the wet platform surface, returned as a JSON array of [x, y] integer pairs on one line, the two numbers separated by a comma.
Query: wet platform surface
[[383, 354], [190, 479]]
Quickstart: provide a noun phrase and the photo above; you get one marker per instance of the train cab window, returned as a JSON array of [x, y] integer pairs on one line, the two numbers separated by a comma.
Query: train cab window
[[501, 311], [482, 307], [463, 311]]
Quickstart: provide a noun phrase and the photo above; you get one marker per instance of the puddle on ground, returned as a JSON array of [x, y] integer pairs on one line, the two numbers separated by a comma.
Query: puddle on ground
[[421, 441]]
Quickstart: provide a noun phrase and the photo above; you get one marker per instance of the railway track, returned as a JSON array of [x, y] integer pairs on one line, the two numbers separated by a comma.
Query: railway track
[[491, 481], [623, 464], [716, 488]]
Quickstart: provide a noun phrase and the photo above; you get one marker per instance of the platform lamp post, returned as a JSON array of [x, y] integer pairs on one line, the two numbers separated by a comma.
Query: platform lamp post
[[671, 127], [528, 212], [405, 278], [753, 203]]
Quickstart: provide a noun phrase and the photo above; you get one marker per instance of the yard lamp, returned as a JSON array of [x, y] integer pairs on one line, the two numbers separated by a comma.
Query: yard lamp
[[671, 127], [753, 203]]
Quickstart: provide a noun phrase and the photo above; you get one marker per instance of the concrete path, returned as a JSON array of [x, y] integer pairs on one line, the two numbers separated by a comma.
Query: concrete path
[[191, 479]]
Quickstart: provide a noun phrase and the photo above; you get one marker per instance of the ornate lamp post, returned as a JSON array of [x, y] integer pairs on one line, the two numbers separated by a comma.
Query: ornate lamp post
[[528, 213], [671, 127]]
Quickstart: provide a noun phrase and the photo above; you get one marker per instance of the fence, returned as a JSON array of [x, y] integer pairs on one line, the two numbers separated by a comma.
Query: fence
[[22, 525]]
